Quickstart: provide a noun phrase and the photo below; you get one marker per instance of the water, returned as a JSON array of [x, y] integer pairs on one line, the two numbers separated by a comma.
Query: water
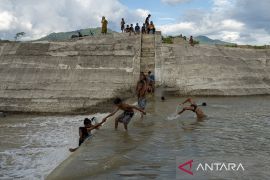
[[31, 147], [236, 126]]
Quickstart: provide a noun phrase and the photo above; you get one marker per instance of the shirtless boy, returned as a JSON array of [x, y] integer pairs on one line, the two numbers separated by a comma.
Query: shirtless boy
[[193, 107], [126, 116]]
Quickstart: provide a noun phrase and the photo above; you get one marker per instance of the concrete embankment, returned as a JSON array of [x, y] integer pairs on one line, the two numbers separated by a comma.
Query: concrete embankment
[[213, 70], [78, 75], [67, 76]]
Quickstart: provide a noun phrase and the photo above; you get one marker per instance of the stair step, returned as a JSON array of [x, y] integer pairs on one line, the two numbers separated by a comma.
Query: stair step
[[148, 58], [148, 46], [148, 41], [148, 55], [148, 50], [148, 36], [146, 68]]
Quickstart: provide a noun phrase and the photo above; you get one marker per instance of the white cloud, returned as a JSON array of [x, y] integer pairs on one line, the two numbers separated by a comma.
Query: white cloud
[[208, 27], [232, 24], [142, 13], [179, 28], [6, 20], [39, 18], [238, 21], [166, 19]]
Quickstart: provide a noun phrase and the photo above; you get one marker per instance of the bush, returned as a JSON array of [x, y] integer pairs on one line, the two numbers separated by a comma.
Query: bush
[[167, 40], [196, 42], [231, 45]]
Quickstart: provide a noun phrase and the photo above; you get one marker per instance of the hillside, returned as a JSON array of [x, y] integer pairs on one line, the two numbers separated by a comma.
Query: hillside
[[67, 35], [207, 40]]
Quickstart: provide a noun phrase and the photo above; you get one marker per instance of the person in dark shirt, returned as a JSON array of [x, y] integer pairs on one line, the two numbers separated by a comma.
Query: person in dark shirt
[[191, 41], [143, 29], [123, 25], [131, 29], [85, 131], [147, 20], [137, 29]]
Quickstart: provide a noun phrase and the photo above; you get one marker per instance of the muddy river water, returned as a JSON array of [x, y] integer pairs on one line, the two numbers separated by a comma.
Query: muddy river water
[[31, 147]]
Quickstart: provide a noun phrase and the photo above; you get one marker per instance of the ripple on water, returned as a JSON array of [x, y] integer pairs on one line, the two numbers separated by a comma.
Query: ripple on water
[[31, 147], [235, 127]]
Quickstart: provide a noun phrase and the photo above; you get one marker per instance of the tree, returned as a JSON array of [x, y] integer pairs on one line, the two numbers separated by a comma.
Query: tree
[[20, 34]]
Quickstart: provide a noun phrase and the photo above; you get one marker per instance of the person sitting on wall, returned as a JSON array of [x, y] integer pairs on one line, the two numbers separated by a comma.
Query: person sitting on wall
[[131, 29], [80, 34], [85, 132], [151, 27], [143, 29], [137, 28], [127, 30]]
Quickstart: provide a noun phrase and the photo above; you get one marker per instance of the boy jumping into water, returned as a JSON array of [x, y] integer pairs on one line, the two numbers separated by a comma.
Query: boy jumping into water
[[126, 116], [193, 107], [85, 131]]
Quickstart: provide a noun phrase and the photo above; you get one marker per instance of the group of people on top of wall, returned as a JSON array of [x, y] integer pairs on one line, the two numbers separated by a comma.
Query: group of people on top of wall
[[148, 26]]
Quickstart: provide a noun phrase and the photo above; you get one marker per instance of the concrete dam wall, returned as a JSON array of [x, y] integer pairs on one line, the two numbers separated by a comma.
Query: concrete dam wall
[[77, 76], [213, 70], [67, 76]]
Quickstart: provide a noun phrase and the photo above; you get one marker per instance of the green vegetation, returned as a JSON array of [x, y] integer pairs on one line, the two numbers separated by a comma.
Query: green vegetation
[[231, 45], [167, 40], [18, 35], [248, 46], [196, 42], [258, 47]]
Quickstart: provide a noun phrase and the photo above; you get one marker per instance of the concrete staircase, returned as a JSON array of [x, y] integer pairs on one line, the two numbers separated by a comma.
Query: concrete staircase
[[148, 53]]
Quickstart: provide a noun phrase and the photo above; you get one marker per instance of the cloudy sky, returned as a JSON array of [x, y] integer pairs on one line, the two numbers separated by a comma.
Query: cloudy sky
[[240, 21]]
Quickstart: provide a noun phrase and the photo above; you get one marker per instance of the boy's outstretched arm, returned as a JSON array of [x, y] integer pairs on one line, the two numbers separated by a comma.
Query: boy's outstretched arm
[[187, 100], [96, 126], [113, 113], [138, 109], [185, 109]]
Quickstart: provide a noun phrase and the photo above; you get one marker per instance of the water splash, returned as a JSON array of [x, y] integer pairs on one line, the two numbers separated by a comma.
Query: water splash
[[175, 115]]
